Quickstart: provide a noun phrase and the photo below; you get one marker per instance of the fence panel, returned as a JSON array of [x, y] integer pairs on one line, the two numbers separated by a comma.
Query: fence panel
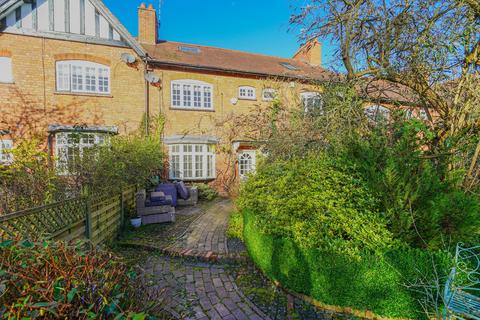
[[99, 219], [53, 221]]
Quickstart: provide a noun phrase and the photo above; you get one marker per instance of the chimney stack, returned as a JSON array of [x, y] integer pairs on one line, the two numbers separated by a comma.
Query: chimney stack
[[311, 52], [147, 24]]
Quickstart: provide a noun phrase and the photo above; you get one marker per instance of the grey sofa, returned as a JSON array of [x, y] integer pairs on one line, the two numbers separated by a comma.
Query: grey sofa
[[154, 214], [192, 200]]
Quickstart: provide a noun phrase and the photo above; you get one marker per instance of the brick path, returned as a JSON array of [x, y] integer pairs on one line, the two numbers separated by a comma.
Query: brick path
[[199, 288], [207, 235]]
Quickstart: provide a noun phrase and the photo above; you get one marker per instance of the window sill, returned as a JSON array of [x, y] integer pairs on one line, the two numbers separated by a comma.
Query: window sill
[[7, 83], [248, 99], [83, 94], [192, 179], [192, 109]]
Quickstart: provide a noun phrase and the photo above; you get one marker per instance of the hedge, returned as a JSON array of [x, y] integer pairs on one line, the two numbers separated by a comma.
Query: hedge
[[371, 283]]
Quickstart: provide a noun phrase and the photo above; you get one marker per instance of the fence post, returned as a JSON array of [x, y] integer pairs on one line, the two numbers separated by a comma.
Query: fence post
[[88, 219], [122, 210]]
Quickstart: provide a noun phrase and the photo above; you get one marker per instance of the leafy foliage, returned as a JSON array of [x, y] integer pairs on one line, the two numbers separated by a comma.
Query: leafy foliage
[[378, 284], [414, 185], [61, 281], [235, 225], [206, 192], [319, 203], [28, 181]]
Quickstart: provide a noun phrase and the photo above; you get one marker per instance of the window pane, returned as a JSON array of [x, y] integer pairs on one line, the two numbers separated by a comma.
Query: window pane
[[6, 74], [207, 97], [103, 80], [77, 78], [187, 166], [90, 79], [176, 94], [199, 166], [187, 95], [210, 166], [197, 96], [63, 77]]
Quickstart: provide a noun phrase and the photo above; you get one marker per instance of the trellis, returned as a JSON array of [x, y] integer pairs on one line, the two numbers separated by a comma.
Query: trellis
[[98, 219]]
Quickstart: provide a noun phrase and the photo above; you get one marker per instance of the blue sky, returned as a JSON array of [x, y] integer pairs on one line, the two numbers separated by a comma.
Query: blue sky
[[259, 26]]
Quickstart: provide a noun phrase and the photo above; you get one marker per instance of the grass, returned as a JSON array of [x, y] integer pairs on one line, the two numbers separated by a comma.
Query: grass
[[373, 283]]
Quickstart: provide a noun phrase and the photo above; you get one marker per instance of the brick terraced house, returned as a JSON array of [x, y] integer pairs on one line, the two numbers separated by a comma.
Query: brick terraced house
[[70, 65]]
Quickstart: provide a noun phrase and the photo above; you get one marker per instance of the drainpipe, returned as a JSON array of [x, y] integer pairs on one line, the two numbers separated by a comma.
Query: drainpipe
[[147, 97]]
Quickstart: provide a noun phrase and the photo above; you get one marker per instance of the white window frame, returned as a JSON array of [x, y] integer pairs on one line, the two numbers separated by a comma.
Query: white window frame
[[247, 93], [270, 91], [6, 70], [187, 159], [66, 142], [244, 168], [308, 98], [92, 78], [191, 95], [5, 156], [374, 111]]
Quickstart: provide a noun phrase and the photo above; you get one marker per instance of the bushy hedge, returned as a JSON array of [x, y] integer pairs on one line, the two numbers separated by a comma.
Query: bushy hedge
[[319, 203], [62, 281], [374, 283]]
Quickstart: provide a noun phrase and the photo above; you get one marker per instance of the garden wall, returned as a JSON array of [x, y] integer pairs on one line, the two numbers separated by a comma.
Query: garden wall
[[98, 219], [372, 283]]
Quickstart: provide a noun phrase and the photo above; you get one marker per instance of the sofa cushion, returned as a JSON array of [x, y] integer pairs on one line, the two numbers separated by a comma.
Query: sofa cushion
[[150, 203], [182, 190], [157, 196], [168, 189]]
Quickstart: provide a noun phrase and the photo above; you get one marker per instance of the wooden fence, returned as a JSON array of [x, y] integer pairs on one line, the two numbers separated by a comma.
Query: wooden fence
[[98, 219]]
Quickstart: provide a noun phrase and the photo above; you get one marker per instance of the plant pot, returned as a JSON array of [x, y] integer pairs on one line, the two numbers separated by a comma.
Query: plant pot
[[136, 222]]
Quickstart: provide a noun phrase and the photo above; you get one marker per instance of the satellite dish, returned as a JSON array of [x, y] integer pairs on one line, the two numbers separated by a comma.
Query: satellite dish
[[152, 78], [234, 101], [128, 58]]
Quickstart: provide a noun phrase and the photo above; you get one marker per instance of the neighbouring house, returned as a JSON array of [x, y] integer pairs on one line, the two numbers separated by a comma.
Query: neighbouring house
[[69, 66]]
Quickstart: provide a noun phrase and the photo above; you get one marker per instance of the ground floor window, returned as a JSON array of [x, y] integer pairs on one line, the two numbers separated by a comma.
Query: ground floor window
[[246, 162], [71, 146], [5, 147], [192, 161]]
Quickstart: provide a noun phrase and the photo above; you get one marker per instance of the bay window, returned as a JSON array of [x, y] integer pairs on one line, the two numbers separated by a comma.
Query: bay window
[[82, 77], [72, 146], [191, 94], [192, 161], [5, 148]]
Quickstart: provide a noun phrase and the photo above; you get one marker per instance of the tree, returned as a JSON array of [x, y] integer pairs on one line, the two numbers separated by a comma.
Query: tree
[[429, 47]]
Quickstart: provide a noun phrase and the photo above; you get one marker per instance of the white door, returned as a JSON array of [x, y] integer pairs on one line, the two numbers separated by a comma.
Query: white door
[[246, 162]]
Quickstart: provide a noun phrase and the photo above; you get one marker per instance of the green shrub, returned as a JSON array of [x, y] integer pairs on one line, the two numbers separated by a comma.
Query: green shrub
[[60, 281], [318, 202], [206, 192], [235, 225], [28, 181], [418, 194], [374, 283]]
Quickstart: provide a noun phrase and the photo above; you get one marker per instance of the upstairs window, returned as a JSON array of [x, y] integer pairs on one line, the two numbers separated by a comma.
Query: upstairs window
[[192, 161], [6, 74], [83, 77], [248, 93], [268, 94], [191, 94], [71, 146], [377, 113], [5, 147], [312, 101]]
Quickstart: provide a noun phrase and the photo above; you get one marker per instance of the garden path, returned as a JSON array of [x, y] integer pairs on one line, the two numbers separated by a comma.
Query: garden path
[[191, 286]]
